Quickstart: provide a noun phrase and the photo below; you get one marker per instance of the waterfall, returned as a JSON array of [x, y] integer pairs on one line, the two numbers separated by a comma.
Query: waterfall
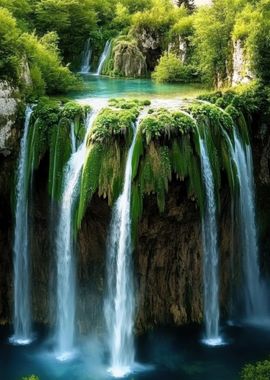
[[211, 259], [119, 306], [86, 57], [256, 299], [103, 57], [73, 137], [66, 283], [22, 303]]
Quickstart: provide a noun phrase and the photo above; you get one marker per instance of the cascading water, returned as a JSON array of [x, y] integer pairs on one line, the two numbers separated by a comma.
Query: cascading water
[[86, 57], [73, 137], [256, 299], [210, 260], [66, 283], [119, 306], [103, 57], [22, 304]]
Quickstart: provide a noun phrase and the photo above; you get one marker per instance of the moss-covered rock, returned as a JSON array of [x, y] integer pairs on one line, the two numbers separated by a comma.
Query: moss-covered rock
[[125, 59]]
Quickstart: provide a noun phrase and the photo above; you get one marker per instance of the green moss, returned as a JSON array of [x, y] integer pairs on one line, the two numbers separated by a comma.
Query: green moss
[[112, 123], [89, 179], [60, 151], [129, 103]]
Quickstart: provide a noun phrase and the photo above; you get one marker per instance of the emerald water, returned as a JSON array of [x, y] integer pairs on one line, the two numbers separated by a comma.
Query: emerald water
[[104, 87]]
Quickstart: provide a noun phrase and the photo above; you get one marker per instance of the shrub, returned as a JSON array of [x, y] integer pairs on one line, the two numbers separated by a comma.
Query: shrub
[[258, 371], [171, 69]]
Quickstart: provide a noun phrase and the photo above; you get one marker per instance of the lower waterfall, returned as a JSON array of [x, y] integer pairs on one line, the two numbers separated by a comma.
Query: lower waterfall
[[119, 306], [210, 253], [66, 281], [22, 302], [255, 301]]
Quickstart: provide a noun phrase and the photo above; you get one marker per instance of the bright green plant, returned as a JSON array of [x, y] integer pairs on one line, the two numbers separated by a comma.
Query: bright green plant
[[258, 371], [171, 69]]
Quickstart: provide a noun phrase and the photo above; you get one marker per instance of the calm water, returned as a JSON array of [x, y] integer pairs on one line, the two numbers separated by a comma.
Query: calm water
[[163, 355], [105, 87]]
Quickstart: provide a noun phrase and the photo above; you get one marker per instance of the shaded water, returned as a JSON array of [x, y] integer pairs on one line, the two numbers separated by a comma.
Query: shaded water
[[210, 253], [168, 354], [22, 304]]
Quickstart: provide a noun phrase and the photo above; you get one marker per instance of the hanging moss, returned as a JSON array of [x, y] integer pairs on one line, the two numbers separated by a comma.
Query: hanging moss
[[129, 103], [112, 124], [60, 151], [107, 146], [89, 179]]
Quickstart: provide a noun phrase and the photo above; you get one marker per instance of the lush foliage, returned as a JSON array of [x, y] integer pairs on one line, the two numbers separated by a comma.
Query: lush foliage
[[171, 69], [258, 371], [200, 40], [34, 62]]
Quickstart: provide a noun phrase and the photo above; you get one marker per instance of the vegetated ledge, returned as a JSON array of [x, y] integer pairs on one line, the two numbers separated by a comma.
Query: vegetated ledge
[[167, 146]]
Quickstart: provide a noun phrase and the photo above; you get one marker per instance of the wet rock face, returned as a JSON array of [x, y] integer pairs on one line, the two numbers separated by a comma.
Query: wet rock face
[[167, 257], [149, 43]]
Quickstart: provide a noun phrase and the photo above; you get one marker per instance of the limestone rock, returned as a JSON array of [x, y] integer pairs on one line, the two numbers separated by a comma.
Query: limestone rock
[[9, 106], [128, 59], [241, 68]]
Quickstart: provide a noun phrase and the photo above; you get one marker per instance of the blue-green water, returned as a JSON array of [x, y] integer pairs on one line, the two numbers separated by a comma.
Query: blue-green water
[[104, 87], [163, 355]]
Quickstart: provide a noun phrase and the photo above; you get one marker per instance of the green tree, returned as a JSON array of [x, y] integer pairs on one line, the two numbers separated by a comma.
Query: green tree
[[258, 371], [9, 33], [171, 69]]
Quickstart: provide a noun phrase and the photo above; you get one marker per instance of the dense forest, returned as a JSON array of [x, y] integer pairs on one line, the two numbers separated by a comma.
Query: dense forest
[[175, 44]]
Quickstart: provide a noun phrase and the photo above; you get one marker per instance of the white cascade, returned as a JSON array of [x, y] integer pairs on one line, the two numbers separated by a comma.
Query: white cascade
[[66, 276], [256, 299], [120, 303], [86, 57], [22, 303], [103, 57], [210, 253]]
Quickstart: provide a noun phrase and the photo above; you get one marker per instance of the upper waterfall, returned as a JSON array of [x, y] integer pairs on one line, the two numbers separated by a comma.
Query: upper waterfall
[[103, 57], [86, 57]]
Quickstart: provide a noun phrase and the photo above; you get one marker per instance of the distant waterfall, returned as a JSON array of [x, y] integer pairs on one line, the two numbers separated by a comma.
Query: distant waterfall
[[22, 303], [103, 57], [256, 299], [66, 283], [119, 307], [211, 259], [73, 137], [86, 57]]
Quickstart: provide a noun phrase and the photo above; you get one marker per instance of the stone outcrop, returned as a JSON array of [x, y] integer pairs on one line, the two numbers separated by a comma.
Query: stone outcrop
[[149, 43], [9, 108], [128, 60], [241, 65]]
